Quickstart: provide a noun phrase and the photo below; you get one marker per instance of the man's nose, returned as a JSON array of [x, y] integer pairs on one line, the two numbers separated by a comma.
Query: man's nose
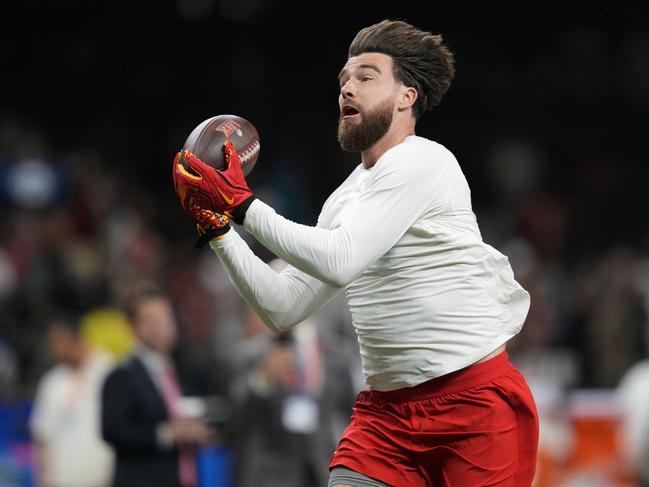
[[347, 90]]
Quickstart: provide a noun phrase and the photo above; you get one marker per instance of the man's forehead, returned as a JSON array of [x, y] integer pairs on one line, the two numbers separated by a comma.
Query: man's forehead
[[368, 59]]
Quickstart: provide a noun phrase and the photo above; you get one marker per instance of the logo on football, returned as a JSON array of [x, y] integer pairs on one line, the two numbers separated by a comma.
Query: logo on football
[[207, 139]]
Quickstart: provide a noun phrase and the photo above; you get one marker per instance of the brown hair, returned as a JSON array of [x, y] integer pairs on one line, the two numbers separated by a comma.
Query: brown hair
[[420, 59], [69, 320]]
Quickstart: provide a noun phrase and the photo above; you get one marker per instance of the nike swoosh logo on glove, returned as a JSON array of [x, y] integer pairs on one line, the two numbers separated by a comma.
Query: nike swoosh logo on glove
[[227, 200]]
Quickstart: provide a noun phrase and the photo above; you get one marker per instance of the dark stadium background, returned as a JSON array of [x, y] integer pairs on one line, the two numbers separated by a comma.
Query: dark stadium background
[[131, 82], [561, 87]]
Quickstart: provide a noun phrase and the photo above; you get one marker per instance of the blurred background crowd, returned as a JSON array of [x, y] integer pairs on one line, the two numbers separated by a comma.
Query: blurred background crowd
[[547, 117]]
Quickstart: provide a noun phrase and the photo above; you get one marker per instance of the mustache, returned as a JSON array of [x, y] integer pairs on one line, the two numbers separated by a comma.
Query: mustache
[[342, 114]]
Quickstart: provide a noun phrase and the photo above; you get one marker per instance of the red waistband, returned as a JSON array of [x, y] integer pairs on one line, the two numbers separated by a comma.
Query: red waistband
[[471, 376]]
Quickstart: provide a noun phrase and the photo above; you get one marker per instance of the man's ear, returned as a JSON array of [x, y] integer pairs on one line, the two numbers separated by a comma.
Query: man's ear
[[408, 98]]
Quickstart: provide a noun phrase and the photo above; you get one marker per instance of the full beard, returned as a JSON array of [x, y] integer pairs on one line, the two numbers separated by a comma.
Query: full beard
[[374, 125]]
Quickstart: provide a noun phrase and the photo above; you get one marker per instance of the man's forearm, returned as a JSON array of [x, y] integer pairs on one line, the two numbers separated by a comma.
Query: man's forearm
[[281, 299]]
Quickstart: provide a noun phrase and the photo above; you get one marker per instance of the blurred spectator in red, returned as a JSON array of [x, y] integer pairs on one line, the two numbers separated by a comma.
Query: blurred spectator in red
[[65, 424]]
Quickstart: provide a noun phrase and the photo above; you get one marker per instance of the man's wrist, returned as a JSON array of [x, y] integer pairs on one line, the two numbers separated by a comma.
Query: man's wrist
[[239, 213], [213, 234]]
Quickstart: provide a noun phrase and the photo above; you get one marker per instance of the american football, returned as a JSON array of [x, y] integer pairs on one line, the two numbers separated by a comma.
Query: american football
[[207, 139]]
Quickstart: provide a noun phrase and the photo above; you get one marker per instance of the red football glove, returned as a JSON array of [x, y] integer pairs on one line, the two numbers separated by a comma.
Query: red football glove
[[209, 224], [212, 225], [203, 186]]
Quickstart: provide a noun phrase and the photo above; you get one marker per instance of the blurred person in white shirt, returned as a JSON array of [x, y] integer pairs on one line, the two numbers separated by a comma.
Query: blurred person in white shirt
[[632, 395], [65, 423]]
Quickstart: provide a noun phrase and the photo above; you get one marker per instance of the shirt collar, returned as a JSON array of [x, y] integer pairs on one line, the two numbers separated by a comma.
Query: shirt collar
[[153, 360]]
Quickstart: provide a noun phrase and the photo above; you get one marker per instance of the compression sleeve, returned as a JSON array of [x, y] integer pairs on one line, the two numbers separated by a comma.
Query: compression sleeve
[[281, 299], [395, 197]]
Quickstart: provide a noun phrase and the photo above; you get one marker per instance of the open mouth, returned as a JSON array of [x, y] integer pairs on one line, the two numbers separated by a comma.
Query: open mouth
[[349, 111]]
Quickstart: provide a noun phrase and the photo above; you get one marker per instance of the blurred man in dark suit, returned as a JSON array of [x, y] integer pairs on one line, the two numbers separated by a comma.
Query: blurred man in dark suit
[[141, 404]]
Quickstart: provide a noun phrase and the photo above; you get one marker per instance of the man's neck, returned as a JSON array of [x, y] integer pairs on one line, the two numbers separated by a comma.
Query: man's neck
[[151, 355], [82, 358], [385, 143]]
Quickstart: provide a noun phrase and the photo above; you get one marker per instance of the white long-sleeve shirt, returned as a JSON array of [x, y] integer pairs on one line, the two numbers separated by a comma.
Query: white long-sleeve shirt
[[427, 296]]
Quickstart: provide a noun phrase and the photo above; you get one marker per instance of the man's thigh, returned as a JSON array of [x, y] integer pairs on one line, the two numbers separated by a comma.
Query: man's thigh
[[344, 477], [483, 436]]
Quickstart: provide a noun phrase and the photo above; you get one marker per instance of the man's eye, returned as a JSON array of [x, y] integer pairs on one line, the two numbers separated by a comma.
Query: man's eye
[[366, 78]]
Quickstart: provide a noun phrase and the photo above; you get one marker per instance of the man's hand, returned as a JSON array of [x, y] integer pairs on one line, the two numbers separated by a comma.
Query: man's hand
[[201, 186], [191, 432]]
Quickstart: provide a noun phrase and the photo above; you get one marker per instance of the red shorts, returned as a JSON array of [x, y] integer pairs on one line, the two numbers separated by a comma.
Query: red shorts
[[474, 427]]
